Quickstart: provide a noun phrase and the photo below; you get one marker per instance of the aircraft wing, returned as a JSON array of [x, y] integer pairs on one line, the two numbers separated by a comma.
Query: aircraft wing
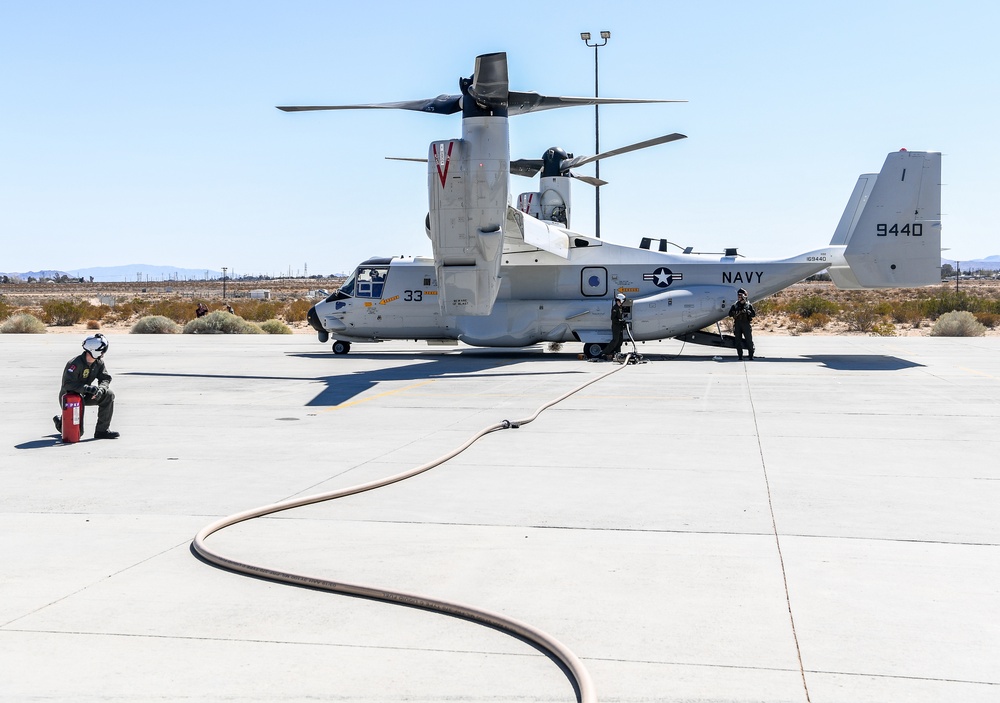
[[525, 228]]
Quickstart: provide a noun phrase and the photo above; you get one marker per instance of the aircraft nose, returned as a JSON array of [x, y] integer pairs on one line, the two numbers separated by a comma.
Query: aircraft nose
[[313, 318]]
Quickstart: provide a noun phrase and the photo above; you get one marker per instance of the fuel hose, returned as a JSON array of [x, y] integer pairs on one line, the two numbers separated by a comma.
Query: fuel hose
[[574, 668]]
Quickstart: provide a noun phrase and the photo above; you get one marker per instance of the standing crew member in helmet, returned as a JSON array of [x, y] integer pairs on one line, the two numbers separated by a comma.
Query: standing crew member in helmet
[[617, 327], [87, 376], [742, 313]]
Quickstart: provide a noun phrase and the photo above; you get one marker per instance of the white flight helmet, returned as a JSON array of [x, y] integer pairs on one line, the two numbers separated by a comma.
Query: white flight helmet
[[620, 296], [96, 345]]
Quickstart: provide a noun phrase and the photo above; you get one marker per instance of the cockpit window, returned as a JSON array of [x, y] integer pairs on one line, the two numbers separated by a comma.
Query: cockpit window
[[345, 291], [369, 281]]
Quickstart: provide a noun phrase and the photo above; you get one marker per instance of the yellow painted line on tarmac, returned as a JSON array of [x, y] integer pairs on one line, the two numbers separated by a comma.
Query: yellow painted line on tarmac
[[377, 395], [978, 373]]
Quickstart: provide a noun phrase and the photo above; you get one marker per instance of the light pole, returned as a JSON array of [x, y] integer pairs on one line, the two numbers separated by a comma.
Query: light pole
[[605, 35], [224, 269]]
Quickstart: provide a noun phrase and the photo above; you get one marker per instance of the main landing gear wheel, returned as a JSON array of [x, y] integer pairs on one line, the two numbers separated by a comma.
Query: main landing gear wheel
[[341, 347], [592, 350]]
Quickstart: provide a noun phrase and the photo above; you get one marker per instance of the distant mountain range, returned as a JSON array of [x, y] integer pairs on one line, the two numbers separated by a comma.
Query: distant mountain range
[[119, 274], [991, 263]]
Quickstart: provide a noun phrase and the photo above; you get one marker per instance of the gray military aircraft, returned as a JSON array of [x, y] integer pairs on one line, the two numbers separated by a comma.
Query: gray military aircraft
[[504, 276]]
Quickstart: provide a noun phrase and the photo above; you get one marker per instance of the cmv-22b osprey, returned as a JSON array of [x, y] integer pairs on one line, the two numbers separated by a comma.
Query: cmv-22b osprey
[[504, 276]]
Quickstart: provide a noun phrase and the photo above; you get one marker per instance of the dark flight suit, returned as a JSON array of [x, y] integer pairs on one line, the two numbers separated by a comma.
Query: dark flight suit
[[78, 375], [617, 327], [742, 313]]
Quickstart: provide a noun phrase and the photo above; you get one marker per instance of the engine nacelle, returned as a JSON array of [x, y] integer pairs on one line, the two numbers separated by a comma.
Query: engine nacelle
[[552, 203], [467, 186]]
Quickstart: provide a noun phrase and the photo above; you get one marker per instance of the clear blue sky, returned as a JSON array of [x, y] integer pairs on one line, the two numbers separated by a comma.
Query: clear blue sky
[[141, 132]]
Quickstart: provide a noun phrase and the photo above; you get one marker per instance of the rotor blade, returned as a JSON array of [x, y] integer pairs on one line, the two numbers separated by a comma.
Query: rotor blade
[[489, 83], [442, 104], [581, 160], [526, 167], [520, 103], [405, 158], [589, 179]]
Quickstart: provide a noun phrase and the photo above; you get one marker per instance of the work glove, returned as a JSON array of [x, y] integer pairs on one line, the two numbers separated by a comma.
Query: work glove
[[89, 391], [95, 392]]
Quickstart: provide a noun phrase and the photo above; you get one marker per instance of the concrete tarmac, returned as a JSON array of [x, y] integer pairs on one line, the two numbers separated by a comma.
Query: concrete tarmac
[[820, 524]]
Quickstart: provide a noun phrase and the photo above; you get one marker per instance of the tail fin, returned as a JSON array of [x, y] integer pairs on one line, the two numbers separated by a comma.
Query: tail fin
[[892, 225]]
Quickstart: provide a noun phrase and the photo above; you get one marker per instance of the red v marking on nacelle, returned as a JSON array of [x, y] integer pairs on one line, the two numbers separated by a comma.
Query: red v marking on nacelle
[[443, 175]]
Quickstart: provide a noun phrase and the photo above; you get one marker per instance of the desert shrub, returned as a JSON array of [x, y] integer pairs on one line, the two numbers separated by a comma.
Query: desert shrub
[[275, 326], [883, 328], [62, 312], [767, 306], [937, 305], [220, 322], [22, 324], [816, 321], [907, 312], [861, 318], [988, 319], [177, 309], [957, 323], [296, 310], [155, 324], [128, 309], [93, 324], [257, 310], [795, 324], [883, 308], [6, 309], [810, 305]]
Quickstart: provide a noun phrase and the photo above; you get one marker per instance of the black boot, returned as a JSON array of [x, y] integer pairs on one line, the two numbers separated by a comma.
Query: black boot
[[57, 421]]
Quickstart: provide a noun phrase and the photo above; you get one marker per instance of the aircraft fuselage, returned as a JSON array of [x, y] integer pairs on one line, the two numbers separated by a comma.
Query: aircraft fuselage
[[558, 299]]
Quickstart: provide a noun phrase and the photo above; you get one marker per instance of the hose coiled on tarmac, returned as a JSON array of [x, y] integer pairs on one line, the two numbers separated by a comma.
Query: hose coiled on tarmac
[[574, 667]]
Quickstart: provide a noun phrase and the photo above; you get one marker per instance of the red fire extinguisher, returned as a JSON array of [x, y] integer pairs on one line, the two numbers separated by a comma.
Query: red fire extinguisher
[[72, 417]]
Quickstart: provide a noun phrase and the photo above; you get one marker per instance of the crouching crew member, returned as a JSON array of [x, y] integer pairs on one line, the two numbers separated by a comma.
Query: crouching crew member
[[742, 313], [87, 376]]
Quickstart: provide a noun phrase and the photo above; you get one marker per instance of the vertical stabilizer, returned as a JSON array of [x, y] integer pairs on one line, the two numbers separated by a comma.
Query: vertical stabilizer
[[842, 275], [892, 226]]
